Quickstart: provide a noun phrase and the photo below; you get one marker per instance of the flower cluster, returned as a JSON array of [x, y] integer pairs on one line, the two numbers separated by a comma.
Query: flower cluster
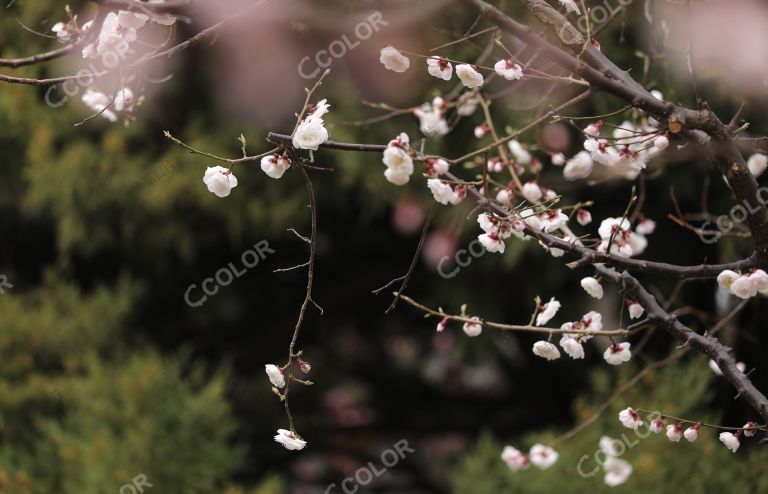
[[444, 193], [623, 241], [496, 230], [744, 285], [539, 455], [626, 152], [677, 430], [617, 471], [108, 107], [431, 117], [441, 68]]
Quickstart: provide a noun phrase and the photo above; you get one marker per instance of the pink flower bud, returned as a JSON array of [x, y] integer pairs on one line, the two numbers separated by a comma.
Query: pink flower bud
[[304, 366]]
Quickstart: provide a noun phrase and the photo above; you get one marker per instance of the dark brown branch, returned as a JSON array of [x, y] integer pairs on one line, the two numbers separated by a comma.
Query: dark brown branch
[[587, 255], [39, 58], [600, 72], [706, 344], [168, 6]]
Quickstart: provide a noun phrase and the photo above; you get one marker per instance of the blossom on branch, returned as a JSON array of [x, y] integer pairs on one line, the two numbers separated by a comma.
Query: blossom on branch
[[289, 440], [219, 180], [393, 59], [440, 68], [469, 75], [311, 132]]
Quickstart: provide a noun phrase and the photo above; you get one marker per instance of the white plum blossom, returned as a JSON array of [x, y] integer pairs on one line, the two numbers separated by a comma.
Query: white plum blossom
[[657, 425], [275, 375], [558, 159], [583, 217], [635, 310], [274, 165], [515, 459], [469, 75], [741, 366], [748, 429], [591, 321], [393, 59], [532, 192], [99, 102], [618, 353], [542, 456], [646, 226], [467, 104], [548, 311], [442, 192], [572, 347], [473, 328], [692, 433], [743, 285], [219, 180], [661, 143], [509, 70], [759, 279], [311, 132], [432, 118], [522, 155], [593, 287], [593, 130], [674, 432], [726, 278], [617, 471], [571, 6], [546, 350], [757, 163], [289, 440], [630, 419], [124, 100], [730, 440], [436, 167], [492, 242], [117, 32], [625, 242], [398, 161], [580, 166], [481, 130], [553, 220], [440, 68], [63, 31], [744, 288]]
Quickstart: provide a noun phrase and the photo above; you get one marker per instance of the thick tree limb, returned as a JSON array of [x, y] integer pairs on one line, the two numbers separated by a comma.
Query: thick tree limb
[[595, 68]]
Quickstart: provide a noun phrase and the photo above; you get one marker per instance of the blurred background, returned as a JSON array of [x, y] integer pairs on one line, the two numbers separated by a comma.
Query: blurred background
[[106, 373]]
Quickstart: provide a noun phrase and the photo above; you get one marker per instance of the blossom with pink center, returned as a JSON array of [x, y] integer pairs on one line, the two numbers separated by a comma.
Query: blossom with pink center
[[630, 419], [617, 354]]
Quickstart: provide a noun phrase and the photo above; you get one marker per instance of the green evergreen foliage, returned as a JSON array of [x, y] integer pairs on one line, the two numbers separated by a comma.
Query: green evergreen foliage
[[659, 466]]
